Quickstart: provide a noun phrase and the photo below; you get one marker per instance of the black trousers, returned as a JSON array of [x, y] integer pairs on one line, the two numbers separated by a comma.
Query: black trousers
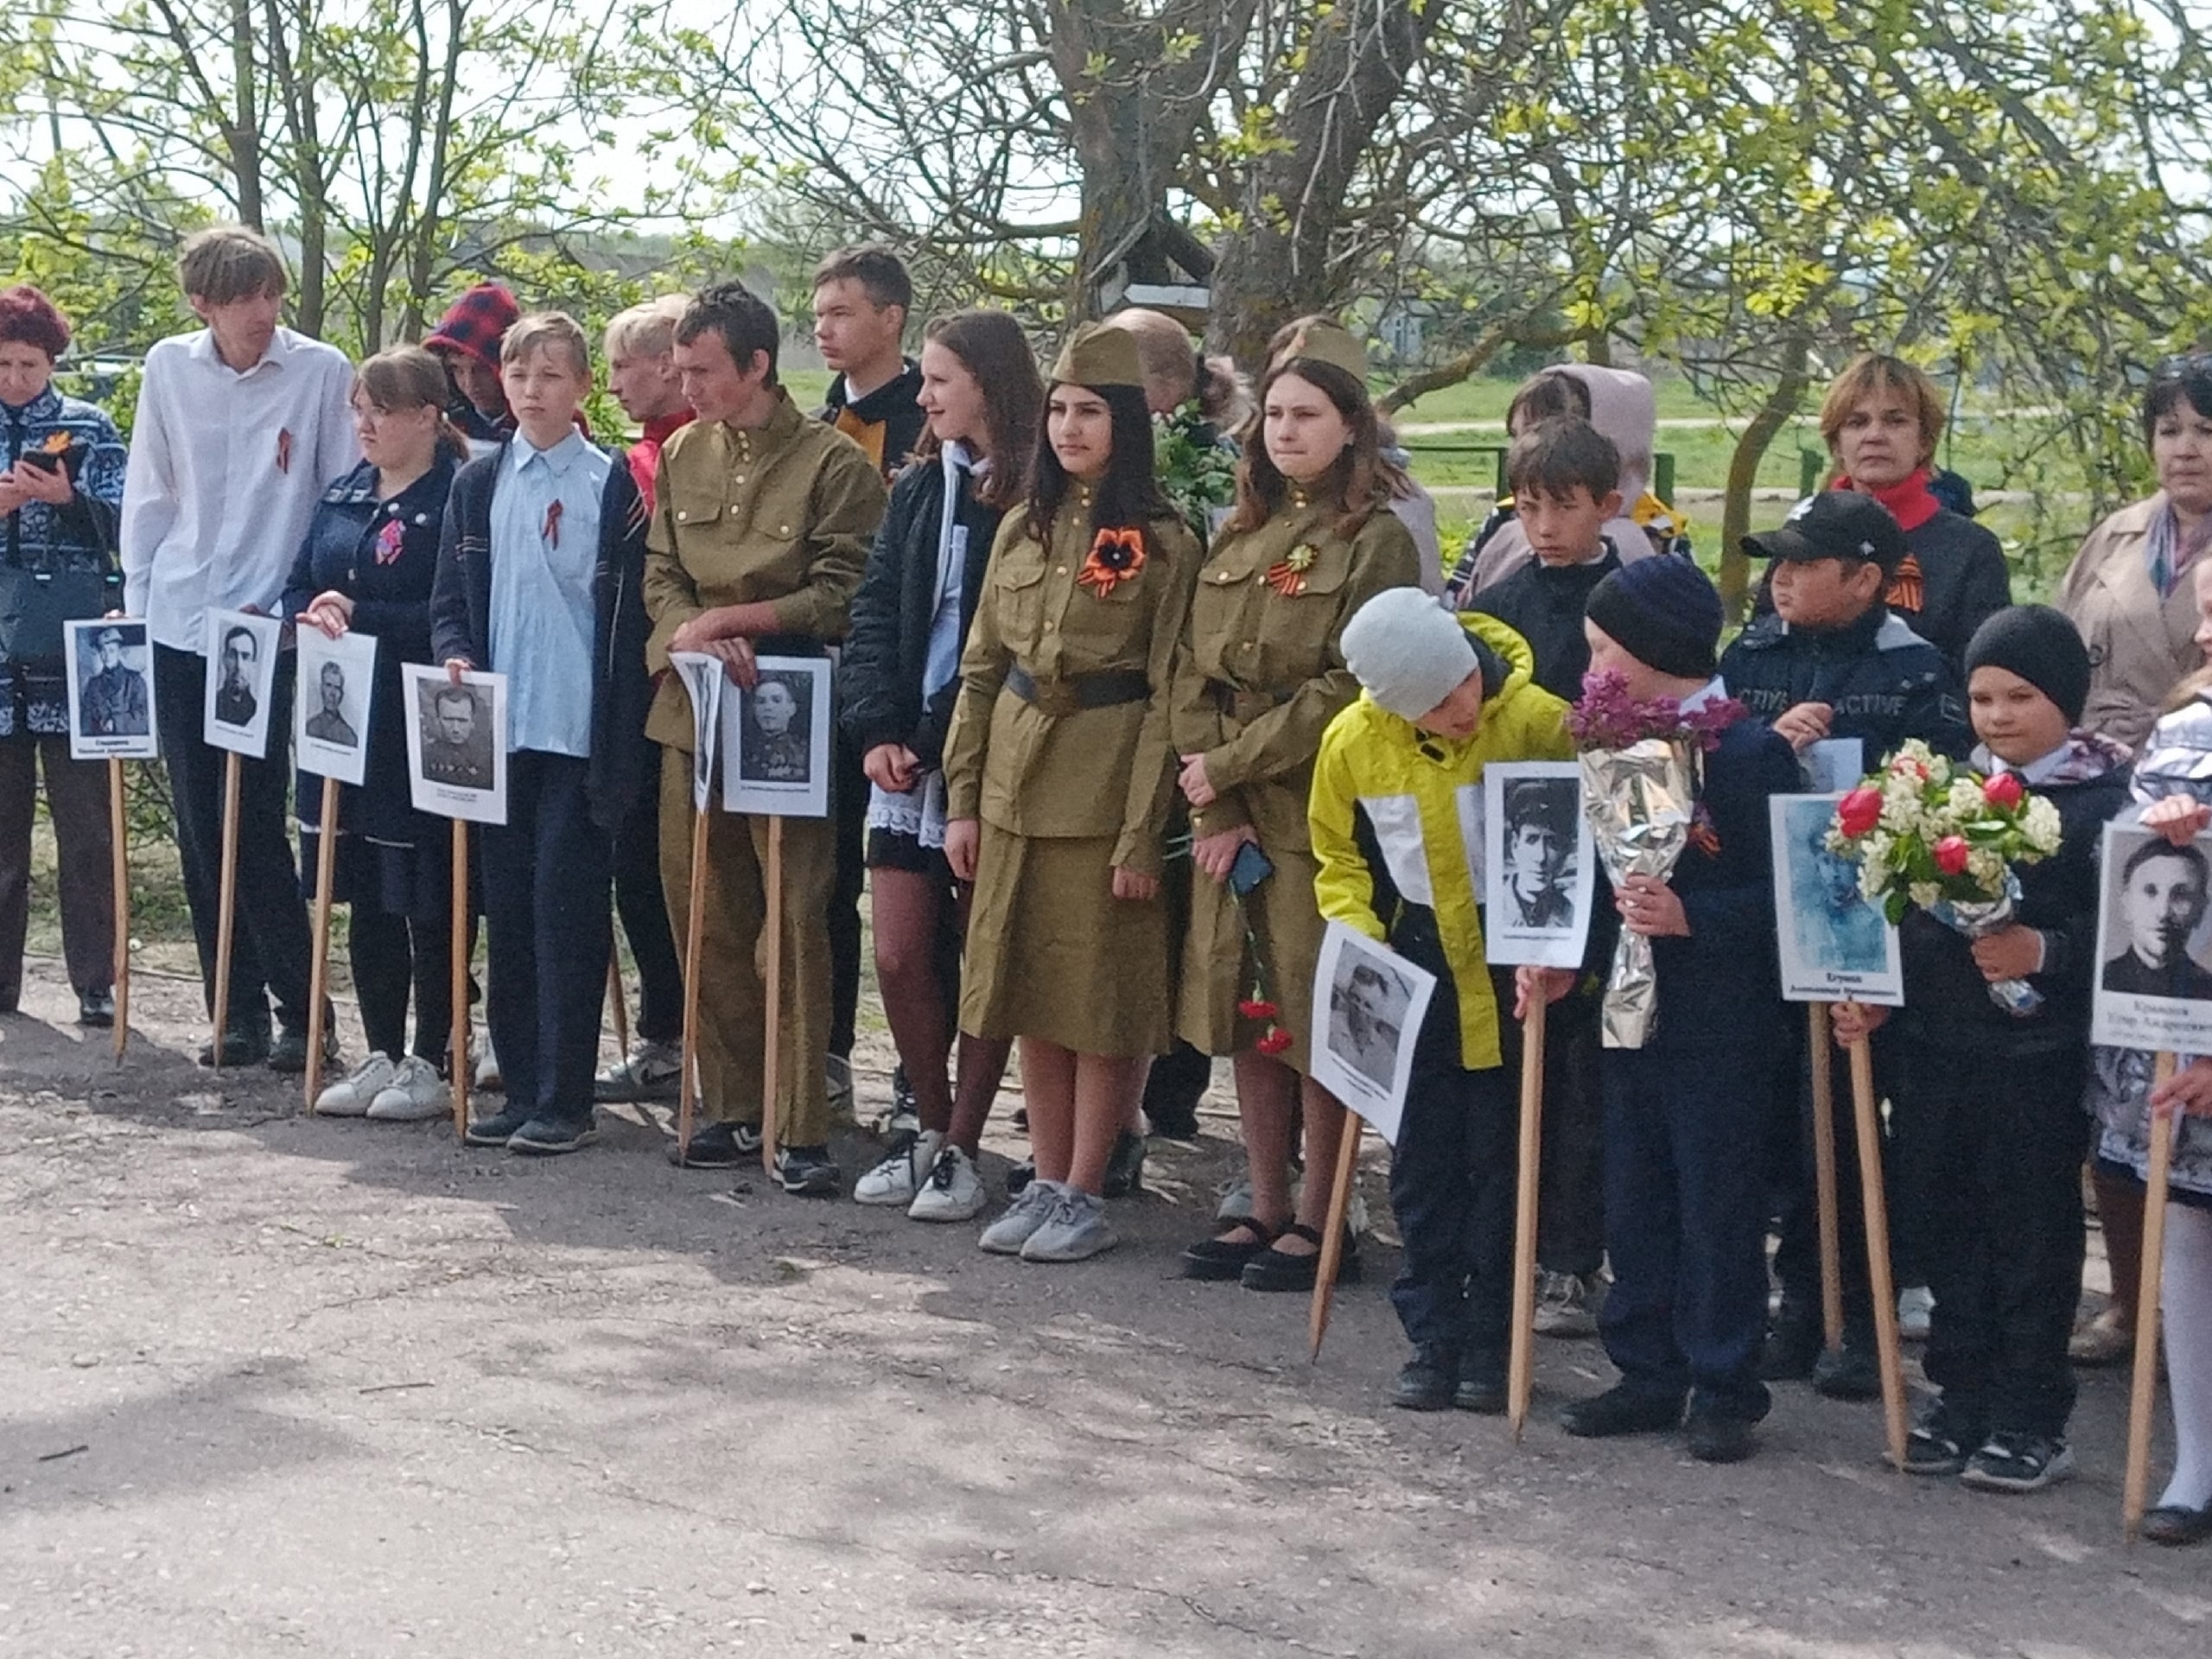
[[76, 798], [1991, 1151], [848, 820], [548, 872], [394, 956], [642, 903], [1797, 1256], [1571, 1188], [1451, 1179], [271, 944], [1686, 1225]]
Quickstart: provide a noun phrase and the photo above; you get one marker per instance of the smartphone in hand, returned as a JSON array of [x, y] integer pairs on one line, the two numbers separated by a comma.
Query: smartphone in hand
[[1248, 869]]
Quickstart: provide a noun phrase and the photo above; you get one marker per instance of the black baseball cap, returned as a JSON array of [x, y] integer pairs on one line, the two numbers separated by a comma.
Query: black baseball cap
[[1834, 524]]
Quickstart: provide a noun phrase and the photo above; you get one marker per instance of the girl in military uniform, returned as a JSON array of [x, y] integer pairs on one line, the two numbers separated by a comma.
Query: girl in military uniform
[[1058, 776], [1261, 674]]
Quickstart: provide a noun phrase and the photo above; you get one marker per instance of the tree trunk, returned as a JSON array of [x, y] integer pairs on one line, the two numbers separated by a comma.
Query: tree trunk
[[245, 123], [1751, 448]]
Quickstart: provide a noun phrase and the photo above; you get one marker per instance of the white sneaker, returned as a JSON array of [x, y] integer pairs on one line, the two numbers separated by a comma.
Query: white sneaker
[[1237, 1199], [650, 1071], [953, 1191], [1075, 1231], [1028, 1212], [1915, 1304], [487, 1069], [901, 1175], [1566, 1305], [416, 1094], [350, 1095]]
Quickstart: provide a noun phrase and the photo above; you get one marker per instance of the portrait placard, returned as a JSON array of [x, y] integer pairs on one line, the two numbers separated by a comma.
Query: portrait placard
[[2154, 943], [1833, 765], [110, 667], [1539, 862], [456, 742], [241, 680], [1369, 1002], [776, 740], [330, 704], [1834, 946], [703, 678]]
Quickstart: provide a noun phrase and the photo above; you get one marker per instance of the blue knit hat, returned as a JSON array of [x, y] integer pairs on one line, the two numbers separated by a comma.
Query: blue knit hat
[[1663, 613]]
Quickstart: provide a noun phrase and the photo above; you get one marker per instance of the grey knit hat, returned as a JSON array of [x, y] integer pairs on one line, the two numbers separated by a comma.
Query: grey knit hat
[[1408, 650]]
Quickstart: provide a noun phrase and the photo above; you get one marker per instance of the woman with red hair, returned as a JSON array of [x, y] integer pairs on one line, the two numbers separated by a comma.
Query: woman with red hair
[[59, 497]]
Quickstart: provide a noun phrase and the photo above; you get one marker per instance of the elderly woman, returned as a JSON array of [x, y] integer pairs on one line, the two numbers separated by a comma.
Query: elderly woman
[[2129, 591], [58, 502]]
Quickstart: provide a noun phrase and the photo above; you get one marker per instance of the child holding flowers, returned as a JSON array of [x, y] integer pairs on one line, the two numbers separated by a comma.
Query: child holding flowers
[[1991, 1045]]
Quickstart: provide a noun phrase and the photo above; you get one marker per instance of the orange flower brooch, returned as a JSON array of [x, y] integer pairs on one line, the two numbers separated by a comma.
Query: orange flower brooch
[[1287, 575], [1115, 557]]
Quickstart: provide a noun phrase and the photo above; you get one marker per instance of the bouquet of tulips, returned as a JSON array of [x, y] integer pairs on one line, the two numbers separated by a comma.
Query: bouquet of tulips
[[1929, 834]]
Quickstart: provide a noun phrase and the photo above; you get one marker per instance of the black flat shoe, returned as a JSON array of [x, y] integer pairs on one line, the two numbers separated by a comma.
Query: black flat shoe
[[1721, 1440], [1272, 1270], [96, 1008], [1427, 1382], [1216, 1259], [1620, 1410], [2171, 1524]]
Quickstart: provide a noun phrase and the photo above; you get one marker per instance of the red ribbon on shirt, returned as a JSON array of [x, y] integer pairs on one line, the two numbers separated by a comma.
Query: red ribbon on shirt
[[285, 449], [552, 531]]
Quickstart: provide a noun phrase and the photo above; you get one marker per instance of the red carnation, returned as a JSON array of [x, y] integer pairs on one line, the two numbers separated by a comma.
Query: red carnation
[[1253, 1008], [2004, 790], [1951, 854], [1859, 812], [1275, 1041]]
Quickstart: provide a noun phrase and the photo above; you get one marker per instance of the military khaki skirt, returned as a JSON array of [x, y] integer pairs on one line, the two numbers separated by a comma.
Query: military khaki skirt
[[1052, 954], [1219, 961]]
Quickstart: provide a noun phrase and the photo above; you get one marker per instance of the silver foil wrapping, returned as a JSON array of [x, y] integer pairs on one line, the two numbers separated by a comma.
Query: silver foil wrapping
[[1639, 801], [1978, 918]]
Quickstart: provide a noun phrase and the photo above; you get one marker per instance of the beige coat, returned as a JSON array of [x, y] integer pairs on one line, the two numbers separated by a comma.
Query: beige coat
[[2139, 650]]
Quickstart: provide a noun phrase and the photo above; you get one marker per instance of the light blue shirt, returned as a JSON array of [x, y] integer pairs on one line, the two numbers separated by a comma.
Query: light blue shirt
[[541, 613]]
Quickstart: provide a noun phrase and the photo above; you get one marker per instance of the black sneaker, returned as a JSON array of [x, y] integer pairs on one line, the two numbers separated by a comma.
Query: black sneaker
[[242, 1045], [1850, 1372], [288, 1054], [1125, 1165], [96, 1009], [1793, 1348], [1943, 1440], [548, 1135], [1714, 1438], [810, 1171], [1428, 1381], [718, 1145], [1620, 1410], [1482, 1388], [497, 1129], [2017, 1463], [905, 1115], [1020, 1175]]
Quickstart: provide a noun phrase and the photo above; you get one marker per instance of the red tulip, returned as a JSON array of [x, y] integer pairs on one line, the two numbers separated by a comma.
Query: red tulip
[[1275, 1041], [1253, 1008], [1859, 812], [1951, 855], [2004, 790]]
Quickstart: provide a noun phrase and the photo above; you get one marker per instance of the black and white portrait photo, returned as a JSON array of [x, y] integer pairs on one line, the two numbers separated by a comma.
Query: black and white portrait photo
[[778, 728], [1539, 864], [1834, 946], [2154, 943], [330, 707], [456, 743], [111, 690], [241, 680], [1368, 1005]]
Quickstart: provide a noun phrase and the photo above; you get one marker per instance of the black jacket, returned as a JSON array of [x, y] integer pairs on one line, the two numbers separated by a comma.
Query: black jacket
[[1962, 579], [1544, 604], [888, 649], [887, 423], [1946, 1001], [461, 619], [1885, 682], [1720, 986]]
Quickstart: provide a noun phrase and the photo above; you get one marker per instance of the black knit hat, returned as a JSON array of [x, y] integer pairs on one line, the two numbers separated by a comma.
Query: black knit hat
[[1663, 613], [2040, 645]]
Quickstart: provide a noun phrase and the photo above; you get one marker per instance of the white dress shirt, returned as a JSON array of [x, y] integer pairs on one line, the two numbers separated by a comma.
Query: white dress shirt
[[225, 472]]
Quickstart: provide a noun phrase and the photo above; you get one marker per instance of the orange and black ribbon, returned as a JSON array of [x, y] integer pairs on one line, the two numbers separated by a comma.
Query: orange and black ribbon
[[1115, 557], [1908, 586], [552, 531]]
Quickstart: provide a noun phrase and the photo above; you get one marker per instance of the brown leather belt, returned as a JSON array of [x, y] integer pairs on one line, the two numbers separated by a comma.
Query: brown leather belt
[[1064, 697]]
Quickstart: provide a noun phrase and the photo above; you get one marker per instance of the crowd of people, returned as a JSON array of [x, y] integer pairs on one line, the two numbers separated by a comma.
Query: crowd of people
[[1141, 680]]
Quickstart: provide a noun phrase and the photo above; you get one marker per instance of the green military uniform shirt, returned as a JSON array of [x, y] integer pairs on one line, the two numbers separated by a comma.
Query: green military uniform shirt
[[1043, 768], [782, 513]]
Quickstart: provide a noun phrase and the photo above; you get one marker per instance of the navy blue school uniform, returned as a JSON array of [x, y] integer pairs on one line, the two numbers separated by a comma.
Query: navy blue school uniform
[[1685, 1199], [1991, 1134]]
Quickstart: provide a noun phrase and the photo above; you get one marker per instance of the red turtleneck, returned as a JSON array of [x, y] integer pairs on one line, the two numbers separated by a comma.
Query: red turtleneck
[[1909, 500], [644, 453]]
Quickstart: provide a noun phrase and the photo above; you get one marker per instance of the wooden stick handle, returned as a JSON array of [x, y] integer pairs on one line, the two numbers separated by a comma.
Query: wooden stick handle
[[119, 833], [226, 903], [694, 927], [1888, 1350], [771, 1064], [1816, 1016], [2143, 1389], [1332, 1234], [458, 1042], [614, 995], [1520, 1363], [325, 865]]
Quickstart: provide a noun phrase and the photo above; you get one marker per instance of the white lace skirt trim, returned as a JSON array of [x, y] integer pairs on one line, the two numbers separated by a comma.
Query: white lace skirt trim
[[918, 812]]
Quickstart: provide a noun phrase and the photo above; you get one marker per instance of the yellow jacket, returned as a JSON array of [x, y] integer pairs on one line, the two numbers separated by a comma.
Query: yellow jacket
[[1424, 797]]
